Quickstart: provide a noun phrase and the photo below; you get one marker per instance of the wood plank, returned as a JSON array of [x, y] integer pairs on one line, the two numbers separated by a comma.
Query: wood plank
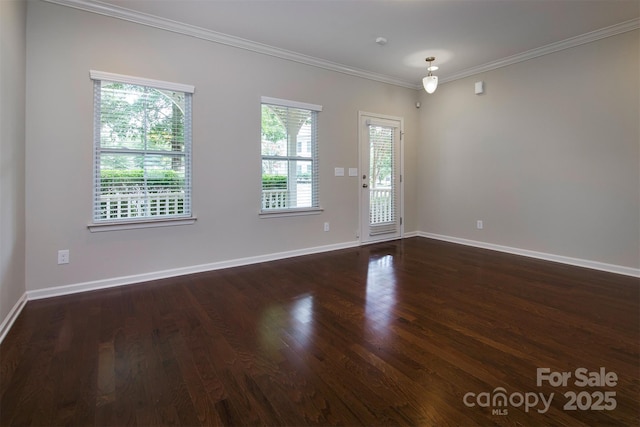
[[394, 333]]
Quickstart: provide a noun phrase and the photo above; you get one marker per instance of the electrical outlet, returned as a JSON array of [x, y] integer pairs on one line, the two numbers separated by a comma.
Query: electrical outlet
[[479, 224], [63, 256], [326, 226]]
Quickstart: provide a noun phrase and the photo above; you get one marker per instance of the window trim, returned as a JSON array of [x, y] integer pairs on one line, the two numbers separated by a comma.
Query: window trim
[[141, 81], [95, 227], [290, 212], [312, 210], [140, 222], [291, 104]]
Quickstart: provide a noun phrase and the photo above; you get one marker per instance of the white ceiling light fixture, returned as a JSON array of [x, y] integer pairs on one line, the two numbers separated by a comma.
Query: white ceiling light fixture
[[381, 41], [430, 82]]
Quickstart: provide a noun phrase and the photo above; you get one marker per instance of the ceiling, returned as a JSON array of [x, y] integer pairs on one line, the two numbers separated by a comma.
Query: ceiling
[[463, 35]]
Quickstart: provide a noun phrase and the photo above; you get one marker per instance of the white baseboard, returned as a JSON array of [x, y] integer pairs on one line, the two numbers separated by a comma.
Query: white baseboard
[[611, 268], [145, 277], [12, 316]]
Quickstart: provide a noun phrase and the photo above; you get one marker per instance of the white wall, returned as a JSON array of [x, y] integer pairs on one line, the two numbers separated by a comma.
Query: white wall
[[12, 157], [548, 157], [549, 163], [64, 44]]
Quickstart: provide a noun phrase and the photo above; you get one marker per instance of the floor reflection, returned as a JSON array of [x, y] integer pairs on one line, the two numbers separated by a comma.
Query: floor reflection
[[283, 322], [302, 309], [301, 320], [270, 325], [381, 293]]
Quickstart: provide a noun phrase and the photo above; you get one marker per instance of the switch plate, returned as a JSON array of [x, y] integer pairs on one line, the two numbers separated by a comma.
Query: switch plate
[[339, 171], [353, 171], [63, 256]]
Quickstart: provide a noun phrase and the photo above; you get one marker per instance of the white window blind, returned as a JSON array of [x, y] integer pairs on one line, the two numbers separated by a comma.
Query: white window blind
[[142, 149], [382, 182], [289, 150]]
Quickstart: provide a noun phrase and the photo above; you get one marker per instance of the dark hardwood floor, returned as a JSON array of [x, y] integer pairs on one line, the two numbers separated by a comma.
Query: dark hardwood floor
[[413, 332]]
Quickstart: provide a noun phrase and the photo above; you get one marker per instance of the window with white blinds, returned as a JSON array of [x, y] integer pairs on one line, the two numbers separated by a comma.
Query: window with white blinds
[[382, 182], [289, 148], [142, 149]]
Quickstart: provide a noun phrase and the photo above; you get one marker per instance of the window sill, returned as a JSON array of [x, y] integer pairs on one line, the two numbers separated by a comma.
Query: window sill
[[131, 225], [290, 212]]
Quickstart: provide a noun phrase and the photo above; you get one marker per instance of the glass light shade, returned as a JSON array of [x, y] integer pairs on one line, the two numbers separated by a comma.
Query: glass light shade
[[430, 83]]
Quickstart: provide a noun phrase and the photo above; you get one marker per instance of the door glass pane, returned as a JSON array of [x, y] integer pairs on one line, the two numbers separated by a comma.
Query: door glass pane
[[381, 173]]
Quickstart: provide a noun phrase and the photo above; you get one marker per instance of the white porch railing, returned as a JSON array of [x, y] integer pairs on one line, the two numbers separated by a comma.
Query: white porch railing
[[381, 206], [118, 206], [275, 199]]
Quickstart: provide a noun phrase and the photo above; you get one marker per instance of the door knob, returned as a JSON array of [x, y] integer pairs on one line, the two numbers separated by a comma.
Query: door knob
[[365, 185]]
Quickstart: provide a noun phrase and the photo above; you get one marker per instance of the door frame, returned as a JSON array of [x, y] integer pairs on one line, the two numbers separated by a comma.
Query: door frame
[[362, 117]]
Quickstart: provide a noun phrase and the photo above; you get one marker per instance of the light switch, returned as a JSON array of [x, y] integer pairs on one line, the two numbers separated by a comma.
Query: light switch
[[353, 171], [339, 171]]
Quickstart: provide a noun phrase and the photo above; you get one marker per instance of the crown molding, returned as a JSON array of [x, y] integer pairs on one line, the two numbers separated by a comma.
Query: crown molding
[[225, 39], [592, 36], [240, 43]]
